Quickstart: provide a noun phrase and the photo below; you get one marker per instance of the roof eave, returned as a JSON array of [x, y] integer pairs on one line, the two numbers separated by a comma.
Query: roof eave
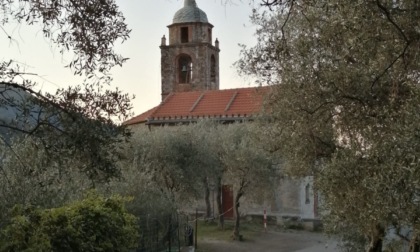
[[195, 119]]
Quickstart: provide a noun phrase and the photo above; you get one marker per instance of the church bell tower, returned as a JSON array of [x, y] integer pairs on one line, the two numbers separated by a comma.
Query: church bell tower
[[190, 61]]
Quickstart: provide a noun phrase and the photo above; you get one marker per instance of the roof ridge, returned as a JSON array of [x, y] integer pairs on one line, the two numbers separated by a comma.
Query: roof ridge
[[241, 88], [197, 101], [167, 98], [231, 101]]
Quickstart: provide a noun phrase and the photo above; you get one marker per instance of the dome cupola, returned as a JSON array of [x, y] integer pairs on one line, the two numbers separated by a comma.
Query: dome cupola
[[190, 13]]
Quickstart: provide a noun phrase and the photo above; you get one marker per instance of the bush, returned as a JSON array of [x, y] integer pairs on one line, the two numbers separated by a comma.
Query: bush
[[93, 224]]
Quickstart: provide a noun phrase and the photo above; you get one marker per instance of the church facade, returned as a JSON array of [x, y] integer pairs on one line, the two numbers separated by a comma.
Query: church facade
[[190, 92]]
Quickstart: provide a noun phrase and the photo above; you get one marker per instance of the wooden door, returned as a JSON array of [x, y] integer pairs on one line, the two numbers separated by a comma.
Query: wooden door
[[227, 201]]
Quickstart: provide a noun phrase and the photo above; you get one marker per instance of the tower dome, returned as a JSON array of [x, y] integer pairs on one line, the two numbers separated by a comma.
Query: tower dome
[[190, 13]]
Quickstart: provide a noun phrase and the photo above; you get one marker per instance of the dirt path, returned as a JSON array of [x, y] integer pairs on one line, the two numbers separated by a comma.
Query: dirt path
[[298, 241]]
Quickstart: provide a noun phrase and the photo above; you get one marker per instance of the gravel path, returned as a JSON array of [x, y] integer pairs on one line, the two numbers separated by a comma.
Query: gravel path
[[299, 241]]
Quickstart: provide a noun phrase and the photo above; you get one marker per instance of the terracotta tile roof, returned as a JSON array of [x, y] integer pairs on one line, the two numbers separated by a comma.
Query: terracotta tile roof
[[226, 104], [142, 118]]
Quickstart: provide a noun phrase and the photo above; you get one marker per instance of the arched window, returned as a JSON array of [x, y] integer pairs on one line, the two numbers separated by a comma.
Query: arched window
[[185, 69], [213, 69]]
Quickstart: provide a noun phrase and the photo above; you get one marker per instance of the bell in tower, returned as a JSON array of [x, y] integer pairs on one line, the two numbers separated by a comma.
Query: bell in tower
[[190, 61]]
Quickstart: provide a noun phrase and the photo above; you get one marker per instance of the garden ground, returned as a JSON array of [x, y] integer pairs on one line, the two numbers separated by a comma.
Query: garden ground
[[270, 241]]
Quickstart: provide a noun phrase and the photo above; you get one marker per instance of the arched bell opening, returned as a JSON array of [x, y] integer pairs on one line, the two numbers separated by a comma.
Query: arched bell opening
[[185, 69]]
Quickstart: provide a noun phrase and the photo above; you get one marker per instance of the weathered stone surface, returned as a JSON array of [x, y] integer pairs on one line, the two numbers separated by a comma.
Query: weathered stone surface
[[189, 40]]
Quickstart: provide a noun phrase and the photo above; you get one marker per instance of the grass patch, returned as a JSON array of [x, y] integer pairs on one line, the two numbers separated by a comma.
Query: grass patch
[[210, 231]]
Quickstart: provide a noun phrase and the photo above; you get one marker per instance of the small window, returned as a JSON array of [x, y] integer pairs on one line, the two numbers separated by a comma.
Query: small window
[[307, 195], [213, 69], [209, 32], [184, 34]]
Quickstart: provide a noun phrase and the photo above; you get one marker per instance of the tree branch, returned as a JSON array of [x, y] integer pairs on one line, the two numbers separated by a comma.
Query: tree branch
[[270, 3], [401, 55], [287, 19], [5, 32], [388, 16], [43, 98]]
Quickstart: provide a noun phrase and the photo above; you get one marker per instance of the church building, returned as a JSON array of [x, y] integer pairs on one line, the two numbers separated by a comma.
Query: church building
[[190, 92]]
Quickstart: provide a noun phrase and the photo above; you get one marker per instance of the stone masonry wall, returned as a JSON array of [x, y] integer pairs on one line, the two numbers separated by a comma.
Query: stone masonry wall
[[199, 47]]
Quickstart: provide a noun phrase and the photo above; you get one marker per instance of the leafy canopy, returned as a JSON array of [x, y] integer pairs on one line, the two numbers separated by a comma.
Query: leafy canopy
[[346, 102], [79, 121]]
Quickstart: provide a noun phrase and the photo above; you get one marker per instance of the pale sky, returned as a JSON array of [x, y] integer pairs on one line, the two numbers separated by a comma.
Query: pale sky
[[148, 20]]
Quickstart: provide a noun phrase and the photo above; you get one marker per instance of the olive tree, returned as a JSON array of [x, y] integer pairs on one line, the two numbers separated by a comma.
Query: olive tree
[[173, 159], [246, 165], [346, 90], [185, 160], [29, 176], [79, 121], [206, 142]]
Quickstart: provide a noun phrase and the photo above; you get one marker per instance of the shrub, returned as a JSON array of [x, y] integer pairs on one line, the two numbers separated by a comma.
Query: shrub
[[92, 224]]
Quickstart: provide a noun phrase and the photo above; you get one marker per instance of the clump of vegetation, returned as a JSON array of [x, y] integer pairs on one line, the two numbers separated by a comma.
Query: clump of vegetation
[[92, 224]]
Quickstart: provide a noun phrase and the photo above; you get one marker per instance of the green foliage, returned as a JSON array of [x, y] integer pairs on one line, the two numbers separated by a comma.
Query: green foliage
[[345, 105], [92, 224], [181, 162], [175, 159], [29, 176], [81, 119], [348, 234], [76, 122], [89, 29], [246, 164]]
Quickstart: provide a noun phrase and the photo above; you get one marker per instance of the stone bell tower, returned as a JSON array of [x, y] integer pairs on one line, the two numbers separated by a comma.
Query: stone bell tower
[[190, 62]]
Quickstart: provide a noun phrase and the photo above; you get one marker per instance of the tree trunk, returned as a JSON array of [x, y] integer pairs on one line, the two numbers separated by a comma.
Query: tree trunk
[[236, 235], [221, 217], [207, 199], [376, 239], [415, 243]]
